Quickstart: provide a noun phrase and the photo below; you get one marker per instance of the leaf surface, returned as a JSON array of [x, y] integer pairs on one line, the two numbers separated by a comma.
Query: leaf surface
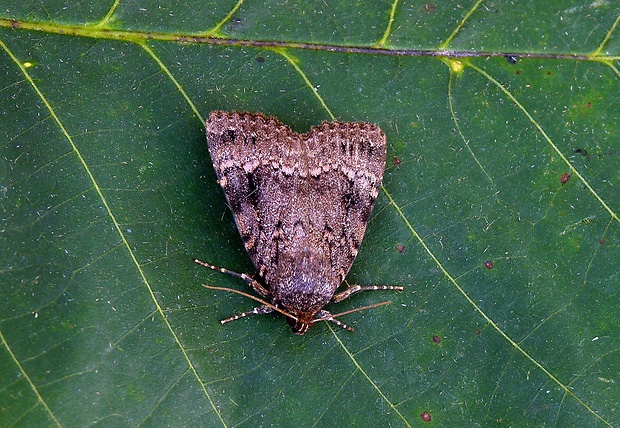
[[498, 214]]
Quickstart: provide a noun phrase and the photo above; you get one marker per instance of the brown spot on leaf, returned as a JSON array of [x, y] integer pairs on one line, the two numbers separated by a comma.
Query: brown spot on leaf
[[564, 178]]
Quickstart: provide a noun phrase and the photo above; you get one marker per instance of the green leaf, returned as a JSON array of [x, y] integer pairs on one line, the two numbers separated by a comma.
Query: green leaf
[[509, 315]]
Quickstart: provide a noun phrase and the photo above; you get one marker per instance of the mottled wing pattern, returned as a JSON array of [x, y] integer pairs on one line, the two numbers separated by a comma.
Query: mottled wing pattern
[[346, 163], [313, 190]]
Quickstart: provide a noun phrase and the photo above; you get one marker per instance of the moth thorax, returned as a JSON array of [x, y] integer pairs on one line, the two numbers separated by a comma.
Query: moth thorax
[[303, 283]]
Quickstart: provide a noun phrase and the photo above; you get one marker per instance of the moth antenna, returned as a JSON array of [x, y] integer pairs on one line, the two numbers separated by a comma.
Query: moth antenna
[[261, 301], [363, 308]]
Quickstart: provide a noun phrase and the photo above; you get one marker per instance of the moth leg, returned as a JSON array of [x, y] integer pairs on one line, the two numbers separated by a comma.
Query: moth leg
[[326, 316], [357, 288], [256, 286], [256, 311]]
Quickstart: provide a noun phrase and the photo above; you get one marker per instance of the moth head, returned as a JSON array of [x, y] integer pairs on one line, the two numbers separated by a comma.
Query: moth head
[[301, 323]]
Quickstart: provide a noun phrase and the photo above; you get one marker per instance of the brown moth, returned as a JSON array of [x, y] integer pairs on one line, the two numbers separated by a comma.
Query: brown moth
[[301, 203]]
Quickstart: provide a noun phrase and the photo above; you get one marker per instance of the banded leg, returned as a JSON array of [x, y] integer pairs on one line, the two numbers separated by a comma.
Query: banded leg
[[324, 315], [357, 288], [256, 311], [256, 286]]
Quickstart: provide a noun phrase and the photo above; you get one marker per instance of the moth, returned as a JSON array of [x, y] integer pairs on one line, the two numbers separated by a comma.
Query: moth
[[301, 203]]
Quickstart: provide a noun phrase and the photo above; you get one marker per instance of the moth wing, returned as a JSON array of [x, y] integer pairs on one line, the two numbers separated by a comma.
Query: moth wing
[[348, 161], [246, 151], [295, 193]]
